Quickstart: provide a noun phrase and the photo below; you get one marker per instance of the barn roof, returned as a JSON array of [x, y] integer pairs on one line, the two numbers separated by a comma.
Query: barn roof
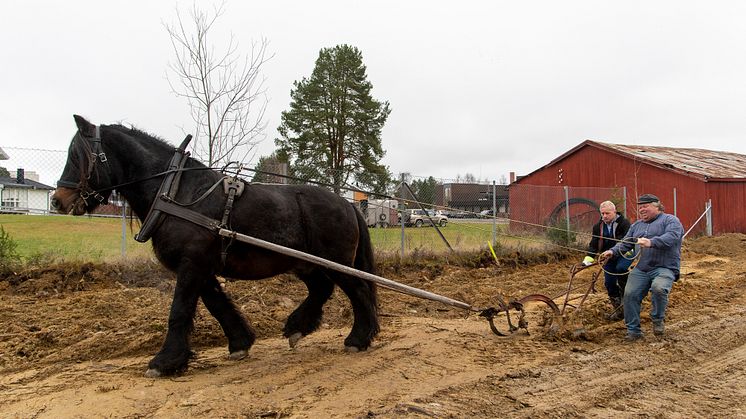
[[709, 164]]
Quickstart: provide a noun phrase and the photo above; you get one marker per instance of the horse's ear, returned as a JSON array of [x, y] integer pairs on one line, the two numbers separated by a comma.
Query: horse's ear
[[85, 127]]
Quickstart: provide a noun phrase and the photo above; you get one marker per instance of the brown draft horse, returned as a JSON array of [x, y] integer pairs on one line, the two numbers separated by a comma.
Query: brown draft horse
[[306, 218]]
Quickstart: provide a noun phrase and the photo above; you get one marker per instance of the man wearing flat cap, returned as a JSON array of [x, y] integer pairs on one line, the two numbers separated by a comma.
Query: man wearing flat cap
[[659, 237]]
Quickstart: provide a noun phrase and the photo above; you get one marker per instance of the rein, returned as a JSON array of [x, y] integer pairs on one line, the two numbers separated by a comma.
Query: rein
[[132, 182]]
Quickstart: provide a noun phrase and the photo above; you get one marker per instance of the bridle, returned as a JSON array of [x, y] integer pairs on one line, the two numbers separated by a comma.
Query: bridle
[[90, 149], [94, 153]]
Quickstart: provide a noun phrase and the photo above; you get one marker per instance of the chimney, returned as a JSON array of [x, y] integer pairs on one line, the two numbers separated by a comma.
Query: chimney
[[20, 176], [512, 177]]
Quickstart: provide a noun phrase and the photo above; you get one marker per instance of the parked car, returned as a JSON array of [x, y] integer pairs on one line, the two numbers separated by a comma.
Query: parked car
[[418, 218], [487, 214], [454, 214]]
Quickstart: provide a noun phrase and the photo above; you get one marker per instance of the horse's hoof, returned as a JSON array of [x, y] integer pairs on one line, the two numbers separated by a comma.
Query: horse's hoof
[[152, 373], [352, 349], [238, 355], [294, 338]]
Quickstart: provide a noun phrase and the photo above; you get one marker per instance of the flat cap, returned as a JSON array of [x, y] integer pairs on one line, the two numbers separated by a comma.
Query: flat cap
[[647, 199]]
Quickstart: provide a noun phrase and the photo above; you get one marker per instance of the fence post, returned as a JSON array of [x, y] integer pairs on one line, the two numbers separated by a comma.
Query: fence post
[[709, 217], [401, 214], [567, 211], [494, 214], [124, 226], [674, 203]]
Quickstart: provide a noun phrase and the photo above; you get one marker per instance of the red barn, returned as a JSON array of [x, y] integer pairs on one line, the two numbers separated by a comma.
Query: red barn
[[685, 179]]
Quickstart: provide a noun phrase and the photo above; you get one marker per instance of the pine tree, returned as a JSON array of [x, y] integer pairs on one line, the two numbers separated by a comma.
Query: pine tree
[[271, 169], [332, 131]]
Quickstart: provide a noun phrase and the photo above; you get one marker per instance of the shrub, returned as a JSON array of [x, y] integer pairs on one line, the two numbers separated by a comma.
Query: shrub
[[558, 234], [8, 255]]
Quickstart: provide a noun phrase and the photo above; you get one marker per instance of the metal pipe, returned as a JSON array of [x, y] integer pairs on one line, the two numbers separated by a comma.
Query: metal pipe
[[567, 211], [400, 204], [124, 224], [494, 214]]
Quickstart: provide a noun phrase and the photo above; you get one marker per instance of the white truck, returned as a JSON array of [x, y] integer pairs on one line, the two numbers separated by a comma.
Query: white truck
[[381, 212]]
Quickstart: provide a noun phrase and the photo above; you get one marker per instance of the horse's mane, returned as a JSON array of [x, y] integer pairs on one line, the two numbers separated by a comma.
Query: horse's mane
[[136, 132]]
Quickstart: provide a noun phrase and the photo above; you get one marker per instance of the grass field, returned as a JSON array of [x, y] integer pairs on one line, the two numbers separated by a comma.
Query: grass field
[[100, 239], [71, 238], [461, 236]]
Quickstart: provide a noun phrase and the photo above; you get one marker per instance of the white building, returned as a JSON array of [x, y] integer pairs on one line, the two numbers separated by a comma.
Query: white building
[[22, 192]]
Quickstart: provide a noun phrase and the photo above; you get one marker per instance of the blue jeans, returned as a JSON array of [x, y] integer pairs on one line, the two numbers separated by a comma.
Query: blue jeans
[[659, 282], [613, 281]]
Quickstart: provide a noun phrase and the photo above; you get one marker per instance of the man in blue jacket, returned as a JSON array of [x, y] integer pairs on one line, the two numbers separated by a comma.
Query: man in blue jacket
[[659, 236], [606, 233]]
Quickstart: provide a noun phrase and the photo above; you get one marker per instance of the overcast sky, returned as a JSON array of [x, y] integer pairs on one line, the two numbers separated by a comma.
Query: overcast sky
[[480, 87]]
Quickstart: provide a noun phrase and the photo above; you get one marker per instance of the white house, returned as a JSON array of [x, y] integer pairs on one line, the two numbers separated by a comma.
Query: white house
[[21, 194]]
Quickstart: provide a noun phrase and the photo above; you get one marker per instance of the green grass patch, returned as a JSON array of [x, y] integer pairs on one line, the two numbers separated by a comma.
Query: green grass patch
[[461, 236], [71, 238]]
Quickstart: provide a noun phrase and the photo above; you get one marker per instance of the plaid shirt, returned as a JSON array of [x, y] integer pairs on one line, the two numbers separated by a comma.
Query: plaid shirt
[[665, 233]]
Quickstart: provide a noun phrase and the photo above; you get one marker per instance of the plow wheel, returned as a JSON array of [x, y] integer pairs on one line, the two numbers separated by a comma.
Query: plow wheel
[[517, 305]]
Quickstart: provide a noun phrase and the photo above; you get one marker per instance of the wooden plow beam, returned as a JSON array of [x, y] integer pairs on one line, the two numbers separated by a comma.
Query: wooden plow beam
[[489, 313]]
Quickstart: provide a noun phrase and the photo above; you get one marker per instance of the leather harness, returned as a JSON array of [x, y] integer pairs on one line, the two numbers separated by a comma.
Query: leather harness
[[164, 202]]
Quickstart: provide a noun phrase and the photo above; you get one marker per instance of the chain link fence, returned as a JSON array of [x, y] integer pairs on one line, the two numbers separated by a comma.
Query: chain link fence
[[414, 214]]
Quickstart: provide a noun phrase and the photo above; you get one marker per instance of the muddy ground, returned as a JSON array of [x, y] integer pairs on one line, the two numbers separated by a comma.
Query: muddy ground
[[75, 341]]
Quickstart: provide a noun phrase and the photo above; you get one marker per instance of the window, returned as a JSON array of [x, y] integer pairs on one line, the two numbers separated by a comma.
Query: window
[[10, 202], [14, 198]]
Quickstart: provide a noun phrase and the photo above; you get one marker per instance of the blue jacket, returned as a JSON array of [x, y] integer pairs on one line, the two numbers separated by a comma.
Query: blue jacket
[[665, 233]]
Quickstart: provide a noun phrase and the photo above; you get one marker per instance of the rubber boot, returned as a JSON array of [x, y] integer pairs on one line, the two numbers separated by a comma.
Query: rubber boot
[[618, 309]]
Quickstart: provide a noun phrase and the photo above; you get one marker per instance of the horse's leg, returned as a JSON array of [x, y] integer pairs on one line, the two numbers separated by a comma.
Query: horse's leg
[[175, 352], [362, 295], [307, 317], [237, 330]]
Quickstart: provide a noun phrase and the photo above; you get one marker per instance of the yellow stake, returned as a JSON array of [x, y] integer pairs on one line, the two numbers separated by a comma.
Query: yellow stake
[[493, 252]]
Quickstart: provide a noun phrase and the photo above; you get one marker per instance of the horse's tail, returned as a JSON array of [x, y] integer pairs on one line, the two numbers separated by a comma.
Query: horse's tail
[[367, 301]]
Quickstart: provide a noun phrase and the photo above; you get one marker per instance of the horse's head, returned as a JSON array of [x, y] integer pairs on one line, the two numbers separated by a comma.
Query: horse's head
[[85, 173]]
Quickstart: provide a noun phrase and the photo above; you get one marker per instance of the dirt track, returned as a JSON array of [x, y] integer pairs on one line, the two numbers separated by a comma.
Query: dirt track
[[75, 341]]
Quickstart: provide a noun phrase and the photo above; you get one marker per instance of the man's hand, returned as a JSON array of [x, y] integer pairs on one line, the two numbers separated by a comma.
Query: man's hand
[[605, 255], [643, 242]]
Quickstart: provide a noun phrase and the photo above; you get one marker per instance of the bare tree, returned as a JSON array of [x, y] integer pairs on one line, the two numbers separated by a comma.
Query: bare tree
[[225, 90]]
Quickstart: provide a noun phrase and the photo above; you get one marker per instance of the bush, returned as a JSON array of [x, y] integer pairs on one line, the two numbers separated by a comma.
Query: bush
[[8, 255], [558, 234]]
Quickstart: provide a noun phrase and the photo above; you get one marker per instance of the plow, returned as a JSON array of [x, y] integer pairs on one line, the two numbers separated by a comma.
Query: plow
[[517, 306]]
